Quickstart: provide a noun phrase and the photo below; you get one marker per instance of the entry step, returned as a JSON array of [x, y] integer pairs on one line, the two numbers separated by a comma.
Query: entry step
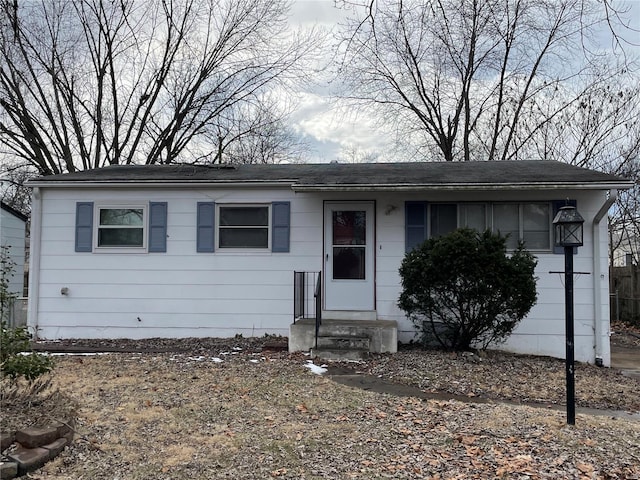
[[344, 343], [339, 355]]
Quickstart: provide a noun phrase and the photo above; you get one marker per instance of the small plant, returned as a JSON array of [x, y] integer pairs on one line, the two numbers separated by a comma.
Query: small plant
[[16, 356], [463, 290]]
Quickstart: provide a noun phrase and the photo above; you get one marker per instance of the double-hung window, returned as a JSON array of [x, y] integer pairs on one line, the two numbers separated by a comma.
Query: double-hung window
[[524, 222], [243, 226], [121, 227], [117, 228]]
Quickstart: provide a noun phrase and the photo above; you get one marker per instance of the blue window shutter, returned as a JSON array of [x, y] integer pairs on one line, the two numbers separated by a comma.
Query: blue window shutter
[[555, 206], [280, 226], [206, 226], [415, 224], [157, 226], [84, 226]]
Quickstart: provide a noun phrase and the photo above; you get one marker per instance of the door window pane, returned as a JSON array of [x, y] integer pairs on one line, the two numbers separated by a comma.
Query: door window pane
[[349, 227], [348, 263]]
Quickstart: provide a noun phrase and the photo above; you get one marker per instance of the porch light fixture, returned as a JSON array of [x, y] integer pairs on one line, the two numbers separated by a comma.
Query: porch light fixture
[[568, 227], [568, 233]]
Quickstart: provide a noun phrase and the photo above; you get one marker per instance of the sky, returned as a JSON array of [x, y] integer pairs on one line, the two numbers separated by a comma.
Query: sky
[[329, 127]]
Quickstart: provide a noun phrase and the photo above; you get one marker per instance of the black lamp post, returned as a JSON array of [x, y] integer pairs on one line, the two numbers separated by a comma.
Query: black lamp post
[[568, 234]]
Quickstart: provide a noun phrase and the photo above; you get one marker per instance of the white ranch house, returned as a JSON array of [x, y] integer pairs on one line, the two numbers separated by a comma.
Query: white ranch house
[[195, 251]]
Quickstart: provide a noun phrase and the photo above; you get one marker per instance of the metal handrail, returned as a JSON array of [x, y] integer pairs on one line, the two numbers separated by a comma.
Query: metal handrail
[[317, 295], [306, 290]]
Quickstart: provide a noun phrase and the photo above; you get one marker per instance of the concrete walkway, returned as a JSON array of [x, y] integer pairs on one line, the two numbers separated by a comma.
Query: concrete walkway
[[626, 359]]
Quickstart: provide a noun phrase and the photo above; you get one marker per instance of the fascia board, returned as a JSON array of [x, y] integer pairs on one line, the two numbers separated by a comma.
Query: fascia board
[[460, 187], [157, 184]]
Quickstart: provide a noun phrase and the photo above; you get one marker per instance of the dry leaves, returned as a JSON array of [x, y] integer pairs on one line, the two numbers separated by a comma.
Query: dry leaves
[[180, 416]]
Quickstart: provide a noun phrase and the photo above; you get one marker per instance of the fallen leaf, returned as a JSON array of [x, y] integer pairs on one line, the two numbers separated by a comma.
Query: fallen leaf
[[585, 468]]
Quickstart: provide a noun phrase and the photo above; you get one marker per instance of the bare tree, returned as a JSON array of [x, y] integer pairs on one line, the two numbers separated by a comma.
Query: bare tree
[[255, 133], [12, 189], [478, 79], [89, 83], [356, 154]]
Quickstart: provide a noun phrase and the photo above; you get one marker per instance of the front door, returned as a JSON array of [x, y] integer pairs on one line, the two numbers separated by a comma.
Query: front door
[[349, 263]]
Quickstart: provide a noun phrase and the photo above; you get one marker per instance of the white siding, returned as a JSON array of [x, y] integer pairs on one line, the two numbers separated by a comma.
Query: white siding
[[542, 332], [12, 234], [179, 293], [183, 293]]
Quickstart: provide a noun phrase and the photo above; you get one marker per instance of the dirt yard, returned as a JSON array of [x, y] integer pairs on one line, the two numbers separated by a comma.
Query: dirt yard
[[232, 409]]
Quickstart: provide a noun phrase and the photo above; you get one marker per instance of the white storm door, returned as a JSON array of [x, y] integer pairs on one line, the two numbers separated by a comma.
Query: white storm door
[[349, 250]]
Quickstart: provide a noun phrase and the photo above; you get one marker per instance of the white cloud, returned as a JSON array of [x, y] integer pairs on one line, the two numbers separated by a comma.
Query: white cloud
[[332, 127], [315, 12]]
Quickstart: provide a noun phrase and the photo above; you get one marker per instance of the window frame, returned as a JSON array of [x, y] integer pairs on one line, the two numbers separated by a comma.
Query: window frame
[[489, 214], [521, 220], [459, 223], [122, 248], [269, 227]]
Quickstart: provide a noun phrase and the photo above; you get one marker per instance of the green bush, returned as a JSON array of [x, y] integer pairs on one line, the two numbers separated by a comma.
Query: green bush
[[16, 357], [463, 290]]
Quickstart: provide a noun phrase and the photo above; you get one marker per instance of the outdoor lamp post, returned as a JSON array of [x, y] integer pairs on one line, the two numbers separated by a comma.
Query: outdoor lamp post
[[568, 234]]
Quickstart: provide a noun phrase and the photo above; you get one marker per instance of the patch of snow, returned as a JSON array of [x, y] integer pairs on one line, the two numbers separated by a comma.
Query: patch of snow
[[253, 360], [217, 360], [317, 369]]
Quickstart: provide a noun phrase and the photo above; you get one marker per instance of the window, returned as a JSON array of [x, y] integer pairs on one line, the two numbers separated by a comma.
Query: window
[[506, 222], [243, 226], [446, 217], [473, 215], [117, 228], [443, 219], [526, 222], [121, 227]]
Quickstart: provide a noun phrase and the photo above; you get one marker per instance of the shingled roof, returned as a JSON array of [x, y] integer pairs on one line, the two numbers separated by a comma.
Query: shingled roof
[[341, 176]]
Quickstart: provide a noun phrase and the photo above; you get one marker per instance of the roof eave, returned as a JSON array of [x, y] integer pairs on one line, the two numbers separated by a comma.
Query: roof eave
[[461, 186], [156, 183]]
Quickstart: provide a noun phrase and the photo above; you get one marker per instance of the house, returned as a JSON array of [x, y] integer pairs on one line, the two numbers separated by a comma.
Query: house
[[12, 236], [193, 251]]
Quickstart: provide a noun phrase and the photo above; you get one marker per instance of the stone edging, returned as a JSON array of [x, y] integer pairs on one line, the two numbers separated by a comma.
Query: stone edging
[[30, 448]]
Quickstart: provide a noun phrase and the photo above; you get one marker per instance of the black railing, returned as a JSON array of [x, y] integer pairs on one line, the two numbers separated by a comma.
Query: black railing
[[306, 303], [318, 299]]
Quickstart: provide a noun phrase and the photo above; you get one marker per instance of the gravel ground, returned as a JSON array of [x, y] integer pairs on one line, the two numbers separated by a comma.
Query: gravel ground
[[233, 409]]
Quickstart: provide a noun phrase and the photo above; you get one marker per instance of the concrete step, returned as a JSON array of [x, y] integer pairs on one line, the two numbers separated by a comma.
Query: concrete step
[[383, 334], [341, 347], [333, 342], [339, 354]]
